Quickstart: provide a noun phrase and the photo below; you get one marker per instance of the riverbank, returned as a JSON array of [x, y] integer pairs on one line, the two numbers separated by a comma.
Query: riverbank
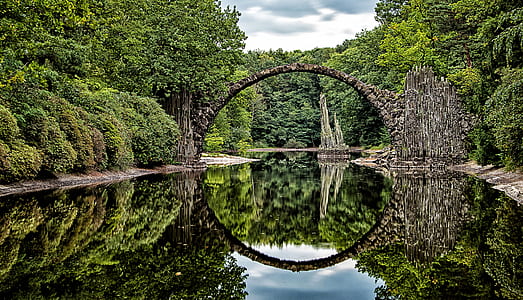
[[509, 182], [83, 179], [104, 177]]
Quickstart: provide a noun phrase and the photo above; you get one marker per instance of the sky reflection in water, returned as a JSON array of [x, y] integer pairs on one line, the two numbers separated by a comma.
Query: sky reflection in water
[[342, 281]]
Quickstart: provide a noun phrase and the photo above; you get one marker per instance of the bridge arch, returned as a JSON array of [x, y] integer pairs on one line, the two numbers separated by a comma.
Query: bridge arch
[[388, 103], [427, 124]]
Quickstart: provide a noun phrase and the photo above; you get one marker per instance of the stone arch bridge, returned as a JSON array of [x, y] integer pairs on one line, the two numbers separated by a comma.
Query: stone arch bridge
[[426, 123]]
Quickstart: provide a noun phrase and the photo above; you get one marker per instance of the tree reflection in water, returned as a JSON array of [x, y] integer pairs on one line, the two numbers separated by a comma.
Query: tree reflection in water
[[432, 240], [427, 235], [107, 242]]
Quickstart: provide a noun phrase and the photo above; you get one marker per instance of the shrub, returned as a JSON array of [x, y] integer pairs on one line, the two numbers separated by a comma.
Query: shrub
[[214, 143], [59, 154], [99, 150], [153, 132], [504, 113], [117, 144], [148, 133], [8, 126], [18, 161], [104, 129]]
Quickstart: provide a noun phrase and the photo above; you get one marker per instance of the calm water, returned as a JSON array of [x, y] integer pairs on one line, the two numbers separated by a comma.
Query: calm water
[[286, 227]]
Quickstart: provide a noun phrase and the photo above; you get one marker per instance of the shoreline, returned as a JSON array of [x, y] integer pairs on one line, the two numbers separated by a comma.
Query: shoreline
[[74, 180], [68, 181], [509, 182]]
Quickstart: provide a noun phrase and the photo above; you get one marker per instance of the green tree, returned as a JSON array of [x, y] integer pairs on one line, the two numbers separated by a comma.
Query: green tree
[[360, 122], [178, 51], [288, 107], [231, 129]]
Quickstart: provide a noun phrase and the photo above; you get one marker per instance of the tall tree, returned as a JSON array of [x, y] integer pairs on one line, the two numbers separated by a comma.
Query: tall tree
[[180, 51]]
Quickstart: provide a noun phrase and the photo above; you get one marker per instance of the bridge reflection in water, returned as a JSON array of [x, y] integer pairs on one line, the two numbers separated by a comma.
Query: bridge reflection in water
[[426, 211]]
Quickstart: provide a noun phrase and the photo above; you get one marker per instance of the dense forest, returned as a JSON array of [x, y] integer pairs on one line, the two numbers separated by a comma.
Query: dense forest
[[95, 85]]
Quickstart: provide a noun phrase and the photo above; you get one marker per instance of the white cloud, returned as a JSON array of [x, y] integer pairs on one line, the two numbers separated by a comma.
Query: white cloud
[[302, 24], [328, 32]]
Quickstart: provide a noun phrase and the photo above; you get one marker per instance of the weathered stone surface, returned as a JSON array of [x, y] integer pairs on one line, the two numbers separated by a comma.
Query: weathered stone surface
[[426, 124]]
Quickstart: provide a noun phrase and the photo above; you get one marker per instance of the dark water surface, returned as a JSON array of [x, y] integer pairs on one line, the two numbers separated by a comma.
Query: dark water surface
[[286, 227]]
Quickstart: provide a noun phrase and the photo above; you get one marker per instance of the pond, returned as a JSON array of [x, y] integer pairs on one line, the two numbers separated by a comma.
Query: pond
[[285, 227]]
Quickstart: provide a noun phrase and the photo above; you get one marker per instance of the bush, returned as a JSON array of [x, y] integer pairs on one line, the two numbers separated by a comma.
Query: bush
[[116, 141], [59, 154], [18, 161], [505, 115], [104, 129], [153, 132], [145, 128], [214, 143], [8, 127]]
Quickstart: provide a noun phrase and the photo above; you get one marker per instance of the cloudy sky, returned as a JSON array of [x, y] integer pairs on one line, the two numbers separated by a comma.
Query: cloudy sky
[[342, 281], [302, 24]]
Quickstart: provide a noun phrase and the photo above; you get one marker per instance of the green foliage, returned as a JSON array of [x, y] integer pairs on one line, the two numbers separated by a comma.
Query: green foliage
[[484, 264], [231, 129], [276, 202], [164, 47], [18, 161], [55, 56], [360, 122], [475, 44], [484, 151], [504, 257], [288, 105], [505, 114], [116, 140], [99, 130], [292, 143], [8, 128], [105, 242], [405, 45], [470, 88]]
